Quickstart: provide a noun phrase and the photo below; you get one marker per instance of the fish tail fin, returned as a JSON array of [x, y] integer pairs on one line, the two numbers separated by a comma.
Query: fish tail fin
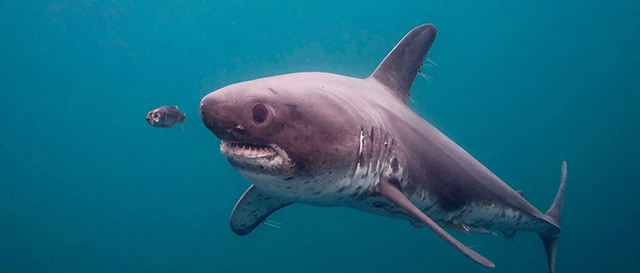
[[550, 240], [184, 116]]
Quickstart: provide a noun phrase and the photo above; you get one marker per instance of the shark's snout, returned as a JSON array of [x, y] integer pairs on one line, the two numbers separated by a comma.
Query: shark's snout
[[212, 112], [206, 106]]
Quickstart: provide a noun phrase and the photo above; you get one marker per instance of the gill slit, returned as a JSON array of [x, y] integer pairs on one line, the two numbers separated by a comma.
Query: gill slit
[[376, 147]]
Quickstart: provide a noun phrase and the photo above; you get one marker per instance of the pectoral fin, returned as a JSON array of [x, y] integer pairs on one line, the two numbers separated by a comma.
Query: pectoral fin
[[393, 194], [254, 207]]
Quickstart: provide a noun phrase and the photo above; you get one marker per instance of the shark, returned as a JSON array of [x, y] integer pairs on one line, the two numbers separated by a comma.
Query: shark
[[324, 139]]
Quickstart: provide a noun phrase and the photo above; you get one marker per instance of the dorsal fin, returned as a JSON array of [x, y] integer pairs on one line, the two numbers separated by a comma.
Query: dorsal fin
[[398, 70]]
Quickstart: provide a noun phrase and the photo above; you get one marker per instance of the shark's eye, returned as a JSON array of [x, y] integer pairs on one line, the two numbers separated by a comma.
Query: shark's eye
[[260, 113]]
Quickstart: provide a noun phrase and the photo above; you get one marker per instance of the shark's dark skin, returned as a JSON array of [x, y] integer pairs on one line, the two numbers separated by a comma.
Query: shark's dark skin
[[330, 140]]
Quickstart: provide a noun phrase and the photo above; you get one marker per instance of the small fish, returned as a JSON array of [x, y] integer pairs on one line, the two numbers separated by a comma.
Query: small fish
[[166, 117]]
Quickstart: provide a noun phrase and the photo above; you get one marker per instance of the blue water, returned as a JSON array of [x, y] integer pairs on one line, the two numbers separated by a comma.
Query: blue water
[[87, 186]]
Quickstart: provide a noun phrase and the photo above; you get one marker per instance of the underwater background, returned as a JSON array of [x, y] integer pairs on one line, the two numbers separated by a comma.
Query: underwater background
[[87, 186]]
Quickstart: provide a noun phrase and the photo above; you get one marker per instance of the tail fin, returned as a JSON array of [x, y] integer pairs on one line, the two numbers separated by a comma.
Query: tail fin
[[184, 116], [550, 241]]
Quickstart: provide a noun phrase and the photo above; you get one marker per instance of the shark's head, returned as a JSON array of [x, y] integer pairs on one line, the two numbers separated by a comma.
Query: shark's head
[[283, 130]]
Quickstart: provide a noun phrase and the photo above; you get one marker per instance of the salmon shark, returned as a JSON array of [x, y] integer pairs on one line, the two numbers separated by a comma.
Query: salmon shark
[[330, 140]]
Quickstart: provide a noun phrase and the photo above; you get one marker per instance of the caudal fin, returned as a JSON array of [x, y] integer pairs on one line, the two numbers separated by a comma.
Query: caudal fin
[[550, 241], [184, 116]]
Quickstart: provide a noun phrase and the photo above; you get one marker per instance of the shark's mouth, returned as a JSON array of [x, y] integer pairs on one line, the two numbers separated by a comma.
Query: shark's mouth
[[247, 155], [248, 150]]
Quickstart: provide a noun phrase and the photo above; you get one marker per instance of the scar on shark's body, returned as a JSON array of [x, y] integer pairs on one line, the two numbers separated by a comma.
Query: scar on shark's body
[[330, 140]]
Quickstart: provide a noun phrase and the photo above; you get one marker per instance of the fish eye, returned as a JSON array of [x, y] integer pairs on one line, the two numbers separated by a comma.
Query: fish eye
[[260, 113], [155, 115]]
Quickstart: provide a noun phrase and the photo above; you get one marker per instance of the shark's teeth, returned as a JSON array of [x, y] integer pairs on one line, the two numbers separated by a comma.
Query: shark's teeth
[[255, 157], [247, 150]]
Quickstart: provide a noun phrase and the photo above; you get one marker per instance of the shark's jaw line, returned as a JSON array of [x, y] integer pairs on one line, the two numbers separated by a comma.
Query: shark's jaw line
[[247, 155]]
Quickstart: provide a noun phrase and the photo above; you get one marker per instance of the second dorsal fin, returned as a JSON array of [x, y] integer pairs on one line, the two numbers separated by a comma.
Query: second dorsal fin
[[398, 70]]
